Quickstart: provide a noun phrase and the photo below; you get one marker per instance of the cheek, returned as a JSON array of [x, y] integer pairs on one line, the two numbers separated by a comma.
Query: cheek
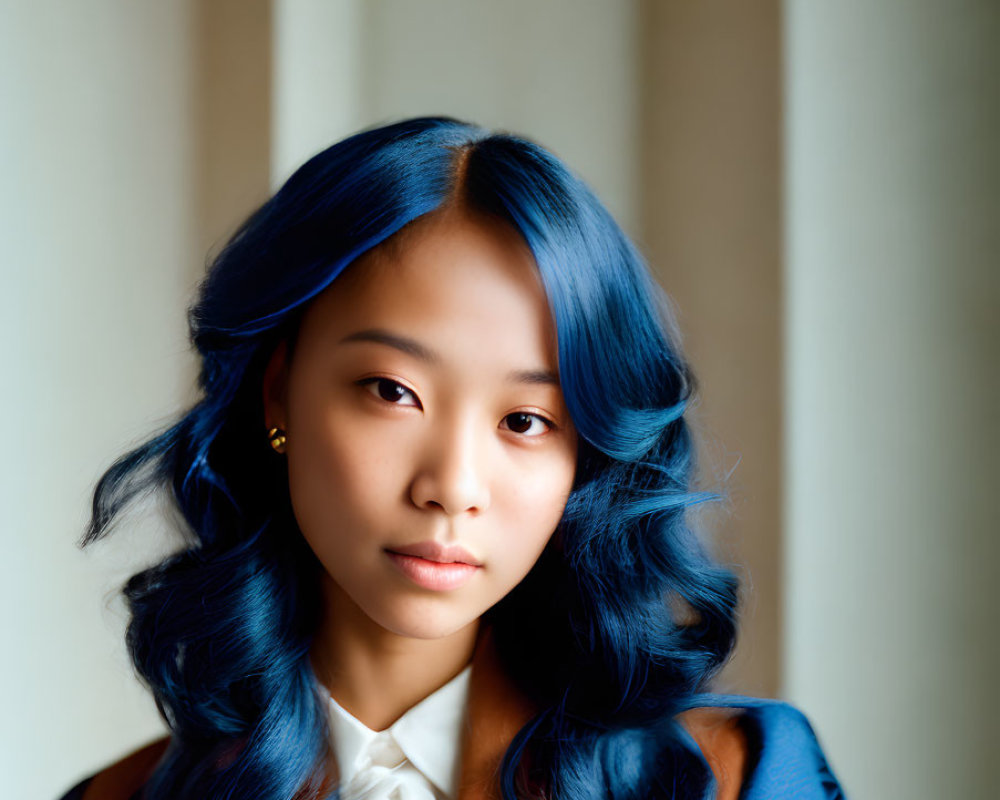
[[339, 480], [533, 506]]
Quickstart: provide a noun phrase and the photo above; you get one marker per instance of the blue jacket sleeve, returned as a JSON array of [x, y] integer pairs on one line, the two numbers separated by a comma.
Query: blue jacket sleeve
[[786, 760]]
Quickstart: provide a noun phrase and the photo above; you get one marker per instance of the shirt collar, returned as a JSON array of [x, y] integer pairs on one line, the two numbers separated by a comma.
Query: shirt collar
[[429, 734]]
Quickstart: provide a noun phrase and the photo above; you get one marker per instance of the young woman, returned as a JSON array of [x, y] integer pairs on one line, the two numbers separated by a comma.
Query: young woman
[[435, 494]]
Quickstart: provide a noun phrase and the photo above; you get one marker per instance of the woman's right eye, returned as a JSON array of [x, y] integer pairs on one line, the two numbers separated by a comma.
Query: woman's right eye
[[391, 391]]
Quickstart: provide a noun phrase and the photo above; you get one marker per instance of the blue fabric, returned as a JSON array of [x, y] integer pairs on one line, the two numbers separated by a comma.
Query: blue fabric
[[785, 758]]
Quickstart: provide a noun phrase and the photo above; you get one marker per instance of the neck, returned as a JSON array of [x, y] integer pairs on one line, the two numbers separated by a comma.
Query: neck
[[377, 675]]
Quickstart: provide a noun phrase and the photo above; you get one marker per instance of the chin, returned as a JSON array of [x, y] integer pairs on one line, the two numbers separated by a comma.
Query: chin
[[425, 624]]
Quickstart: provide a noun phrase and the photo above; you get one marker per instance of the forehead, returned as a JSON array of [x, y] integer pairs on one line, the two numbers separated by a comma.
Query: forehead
[[454, 277]]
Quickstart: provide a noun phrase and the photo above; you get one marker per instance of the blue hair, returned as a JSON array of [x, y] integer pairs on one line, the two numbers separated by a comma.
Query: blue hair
[[617, 628]]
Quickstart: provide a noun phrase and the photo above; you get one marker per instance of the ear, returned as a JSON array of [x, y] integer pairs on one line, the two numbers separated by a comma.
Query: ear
[[275, 388]]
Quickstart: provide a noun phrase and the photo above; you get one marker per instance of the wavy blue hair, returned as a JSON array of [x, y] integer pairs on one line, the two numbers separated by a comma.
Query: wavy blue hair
[[617, 628]]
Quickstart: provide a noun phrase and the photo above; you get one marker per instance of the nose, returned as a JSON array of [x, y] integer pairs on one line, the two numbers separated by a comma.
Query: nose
[[452, 474]]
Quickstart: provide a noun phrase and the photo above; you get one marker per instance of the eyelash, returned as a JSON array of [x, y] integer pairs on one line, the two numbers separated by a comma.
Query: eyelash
[[373, 385]]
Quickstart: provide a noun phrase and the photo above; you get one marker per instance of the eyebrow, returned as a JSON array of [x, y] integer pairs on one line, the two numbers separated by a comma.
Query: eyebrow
[[414, 348], [534, 376], [409, 346]]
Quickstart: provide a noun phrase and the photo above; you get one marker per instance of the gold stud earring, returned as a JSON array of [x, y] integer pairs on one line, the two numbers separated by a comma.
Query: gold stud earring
[[276, 437]]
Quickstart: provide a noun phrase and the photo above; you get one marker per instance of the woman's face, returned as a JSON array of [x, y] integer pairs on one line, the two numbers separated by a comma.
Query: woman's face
[[430, 454]]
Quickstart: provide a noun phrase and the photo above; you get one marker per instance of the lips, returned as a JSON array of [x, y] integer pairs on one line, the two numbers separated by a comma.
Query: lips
[[435, 566], [440, 553]]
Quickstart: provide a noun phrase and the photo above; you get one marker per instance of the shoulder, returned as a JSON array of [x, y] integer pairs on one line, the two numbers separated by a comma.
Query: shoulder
[[125, 777], [781, 756], [723, 743]]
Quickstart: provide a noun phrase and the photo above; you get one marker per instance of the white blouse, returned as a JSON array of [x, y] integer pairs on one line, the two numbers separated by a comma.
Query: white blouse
[[416, 758]]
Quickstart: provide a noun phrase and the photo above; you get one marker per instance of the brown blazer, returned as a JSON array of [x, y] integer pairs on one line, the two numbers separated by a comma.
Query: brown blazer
[[497, 711]]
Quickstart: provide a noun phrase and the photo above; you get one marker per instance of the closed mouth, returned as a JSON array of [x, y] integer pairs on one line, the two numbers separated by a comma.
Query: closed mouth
[[437, 553]]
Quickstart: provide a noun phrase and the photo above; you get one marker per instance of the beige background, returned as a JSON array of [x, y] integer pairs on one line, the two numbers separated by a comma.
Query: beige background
[[816, 184]]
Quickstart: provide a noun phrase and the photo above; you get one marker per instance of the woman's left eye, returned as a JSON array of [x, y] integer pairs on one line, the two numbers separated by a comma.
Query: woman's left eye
[[526, 424]]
